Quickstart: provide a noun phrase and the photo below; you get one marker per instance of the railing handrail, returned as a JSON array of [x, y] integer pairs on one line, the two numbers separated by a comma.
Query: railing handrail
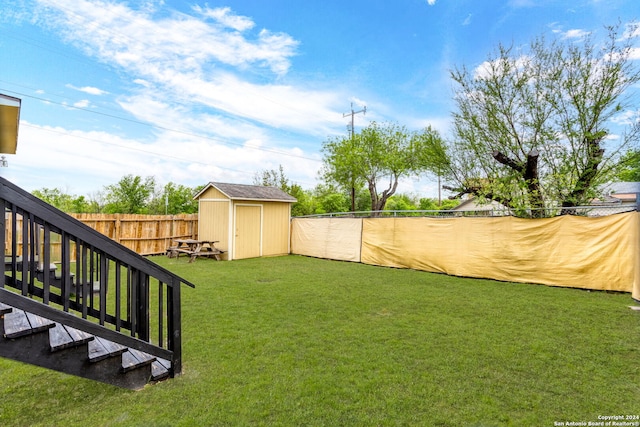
[[29, 203], [30, 271]]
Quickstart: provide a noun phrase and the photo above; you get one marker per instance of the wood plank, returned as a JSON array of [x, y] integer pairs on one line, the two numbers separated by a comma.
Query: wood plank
[[39, 323], [4, 309], [16, 324], [134, 359], [159, 371], [78, 335], [112, 347], [59, 338], [100, 349]]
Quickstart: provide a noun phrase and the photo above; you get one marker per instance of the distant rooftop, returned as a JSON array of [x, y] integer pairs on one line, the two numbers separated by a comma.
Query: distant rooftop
[[621, 187], [250, 192]]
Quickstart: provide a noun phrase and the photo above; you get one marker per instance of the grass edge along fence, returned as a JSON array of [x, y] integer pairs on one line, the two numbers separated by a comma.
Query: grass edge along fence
[[144, 234]]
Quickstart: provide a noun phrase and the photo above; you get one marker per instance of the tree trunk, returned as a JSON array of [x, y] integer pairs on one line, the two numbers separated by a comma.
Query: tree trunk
[[585, 180]]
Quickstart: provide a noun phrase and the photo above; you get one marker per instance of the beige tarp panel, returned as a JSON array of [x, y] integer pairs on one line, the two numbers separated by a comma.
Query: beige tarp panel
[[333, 238], [581, 252]]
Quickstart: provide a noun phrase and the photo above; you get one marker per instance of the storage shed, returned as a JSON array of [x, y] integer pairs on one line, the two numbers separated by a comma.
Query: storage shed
[[248, 221]]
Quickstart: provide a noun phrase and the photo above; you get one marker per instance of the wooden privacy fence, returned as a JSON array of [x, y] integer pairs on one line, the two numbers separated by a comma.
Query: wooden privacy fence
[[144, 234]]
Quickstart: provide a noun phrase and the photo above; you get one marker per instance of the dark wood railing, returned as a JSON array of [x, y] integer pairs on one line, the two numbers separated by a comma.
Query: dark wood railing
[[95, 284]]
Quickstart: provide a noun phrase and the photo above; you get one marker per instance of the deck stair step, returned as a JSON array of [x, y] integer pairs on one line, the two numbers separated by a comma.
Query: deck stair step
[[134, 359], [19, 323], [39, 341], [61, 337], [100, 349], [160, 369], [4, 309]]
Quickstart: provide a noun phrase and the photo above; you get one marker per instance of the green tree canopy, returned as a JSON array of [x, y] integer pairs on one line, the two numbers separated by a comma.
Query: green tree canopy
[[531, 125], [379, 156], [131, 195], [630, 167], [65, 202]]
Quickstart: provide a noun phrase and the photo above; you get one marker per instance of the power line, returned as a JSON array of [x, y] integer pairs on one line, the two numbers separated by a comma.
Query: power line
[[182, 132], [181, 159], [352, 114]]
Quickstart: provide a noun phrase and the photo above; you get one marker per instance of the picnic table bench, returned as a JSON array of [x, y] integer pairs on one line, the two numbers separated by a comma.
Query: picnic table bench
[[194, 249]]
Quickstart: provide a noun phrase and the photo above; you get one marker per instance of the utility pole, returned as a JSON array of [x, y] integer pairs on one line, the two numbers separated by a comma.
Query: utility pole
[[352, 114], [352, 130]]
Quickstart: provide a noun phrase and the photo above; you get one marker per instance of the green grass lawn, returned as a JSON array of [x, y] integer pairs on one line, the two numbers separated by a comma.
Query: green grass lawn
[[295, 341]]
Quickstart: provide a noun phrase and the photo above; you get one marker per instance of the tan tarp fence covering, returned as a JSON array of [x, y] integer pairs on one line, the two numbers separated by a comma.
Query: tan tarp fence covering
[[593, 253], [333, 238]]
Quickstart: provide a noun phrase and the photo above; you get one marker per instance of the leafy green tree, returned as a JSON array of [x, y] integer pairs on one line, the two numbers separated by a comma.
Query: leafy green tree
[[329, 199], [63, 201], [278, 179], [173, 199], [131, 195], [630, 167], [429, 204], [380, 156], [341, 165], [531, 125], [401, 202]]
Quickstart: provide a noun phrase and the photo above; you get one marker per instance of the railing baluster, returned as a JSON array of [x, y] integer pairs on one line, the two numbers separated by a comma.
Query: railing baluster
[[46, 263], [92, 276], [3, 240], [160, 312], [134, 301], [174, 338], [118, 285], [92, 254], [65, 270], [104, 279], [28, 253], [85, 280]]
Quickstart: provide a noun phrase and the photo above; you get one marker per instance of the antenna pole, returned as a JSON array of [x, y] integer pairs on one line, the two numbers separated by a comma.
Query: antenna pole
[[352, 114], [352, 131]]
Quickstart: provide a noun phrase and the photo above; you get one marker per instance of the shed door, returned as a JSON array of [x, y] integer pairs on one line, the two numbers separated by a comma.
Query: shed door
[[248, 235]]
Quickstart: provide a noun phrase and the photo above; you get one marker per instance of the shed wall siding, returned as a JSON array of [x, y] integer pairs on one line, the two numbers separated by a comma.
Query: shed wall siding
[[276, 228], [212, 193], [213, 222]]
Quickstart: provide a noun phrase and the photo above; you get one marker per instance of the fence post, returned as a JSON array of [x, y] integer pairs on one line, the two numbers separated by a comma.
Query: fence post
[[117, 229]]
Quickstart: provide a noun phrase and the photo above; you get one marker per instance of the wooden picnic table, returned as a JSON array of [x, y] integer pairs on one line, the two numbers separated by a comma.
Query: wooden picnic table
[[194, 248]]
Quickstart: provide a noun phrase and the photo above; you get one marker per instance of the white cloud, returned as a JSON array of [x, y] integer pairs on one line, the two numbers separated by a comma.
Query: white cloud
[[431, 2], [178, 43], [88, 89], [467, 20], [100, 158], [224, 16], [632, 30], [83, 103], [575, 34], [179, 55]]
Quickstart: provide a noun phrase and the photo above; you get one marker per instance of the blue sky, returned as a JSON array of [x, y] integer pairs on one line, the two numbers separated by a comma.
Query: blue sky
[[193, 91]]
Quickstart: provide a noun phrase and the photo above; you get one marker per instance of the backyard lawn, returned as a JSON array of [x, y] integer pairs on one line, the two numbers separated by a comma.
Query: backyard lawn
[[296, 341]]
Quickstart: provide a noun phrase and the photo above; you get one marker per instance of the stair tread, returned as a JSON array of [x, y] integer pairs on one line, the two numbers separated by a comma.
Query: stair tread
[[39, 323], [18, 323], [61, 337], [100, 349], [160, 369], [5, 308], [133, 359]]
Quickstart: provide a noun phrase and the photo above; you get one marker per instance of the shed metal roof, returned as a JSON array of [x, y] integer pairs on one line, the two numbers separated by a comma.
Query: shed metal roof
[[249, 192]]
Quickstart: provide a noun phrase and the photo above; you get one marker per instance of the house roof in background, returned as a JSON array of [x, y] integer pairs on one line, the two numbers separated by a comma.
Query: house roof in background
[[621, 187], [249, 192]]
